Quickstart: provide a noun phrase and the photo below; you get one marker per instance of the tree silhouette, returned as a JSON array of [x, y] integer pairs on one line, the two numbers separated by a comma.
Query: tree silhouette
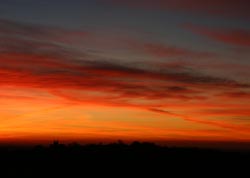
[[74, 159]]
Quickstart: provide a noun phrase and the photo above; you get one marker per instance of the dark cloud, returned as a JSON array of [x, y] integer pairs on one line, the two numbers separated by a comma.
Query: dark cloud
[[17, 37], [32, 57], [21, 29]]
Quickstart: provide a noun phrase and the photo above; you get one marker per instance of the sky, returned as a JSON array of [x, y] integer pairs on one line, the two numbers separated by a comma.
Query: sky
[[153, 70]]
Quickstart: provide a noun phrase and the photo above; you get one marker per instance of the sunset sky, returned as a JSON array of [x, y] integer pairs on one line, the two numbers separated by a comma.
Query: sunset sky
[[152, 70]]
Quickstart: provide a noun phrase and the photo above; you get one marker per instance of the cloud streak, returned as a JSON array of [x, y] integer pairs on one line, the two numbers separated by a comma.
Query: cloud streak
[[40, 58], [60, 67], [165, 51], [206, 122], [237, 37], [224, 8]]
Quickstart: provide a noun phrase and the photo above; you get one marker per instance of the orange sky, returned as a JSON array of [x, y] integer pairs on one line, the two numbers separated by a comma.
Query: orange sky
[[156, 71], [28, 113]]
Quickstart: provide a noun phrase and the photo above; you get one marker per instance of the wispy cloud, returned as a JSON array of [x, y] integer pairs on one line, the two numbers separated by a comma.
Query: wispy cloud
[[224, 8], [46, 64], [221, 124], [165, 51], [238, 37], [40, 58]]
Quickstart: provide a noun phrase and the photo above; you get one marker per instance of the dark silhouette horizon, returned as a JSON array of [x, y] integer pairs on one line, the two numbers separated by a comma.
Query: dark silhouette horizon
[[202, 144], [73, 159]]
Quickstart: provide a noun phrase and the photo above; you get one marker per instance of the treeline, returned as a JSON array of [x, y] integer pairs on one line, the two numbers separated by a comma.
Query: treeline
[[102, 159]]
